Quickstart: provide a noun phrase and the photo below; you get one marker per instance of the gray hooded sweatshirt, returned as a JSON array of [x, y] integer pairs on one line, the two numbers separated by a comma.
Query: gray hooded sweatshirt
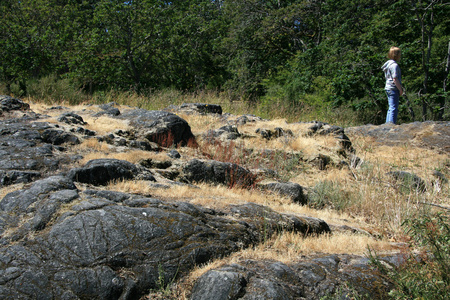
[[391, 70]]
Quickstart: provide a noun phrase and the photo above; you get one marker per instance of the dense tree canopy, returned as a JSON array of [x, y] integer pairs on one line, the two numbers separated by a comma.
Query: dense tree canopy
[[257, 50]]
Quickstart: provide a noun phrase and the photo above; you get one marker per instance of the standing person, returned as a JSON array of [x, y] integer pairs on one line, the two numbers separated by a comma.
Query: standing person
[[393, 87]]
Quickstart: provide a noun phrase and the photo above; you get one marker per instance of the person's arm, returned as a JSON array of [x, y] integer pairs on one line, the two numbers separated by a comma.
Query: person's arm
[[398, 85]]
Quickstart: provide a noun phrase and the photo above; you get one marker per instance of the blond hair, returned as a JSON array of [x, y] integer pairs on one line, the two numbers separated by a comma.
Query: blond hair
[[394, 53]]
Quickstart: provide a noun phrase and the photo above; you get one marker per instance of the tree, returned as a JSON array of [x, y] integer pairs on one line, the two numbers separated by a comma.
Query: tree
[[28, 39], [263, 36], [428, 15]]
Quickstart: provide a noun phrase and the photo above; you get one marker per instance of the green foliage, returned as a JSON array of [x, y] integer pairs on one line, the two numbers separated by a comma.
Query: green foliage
[[345, 292], [327, 194], [424, 275], [51, 89], [303, 57]]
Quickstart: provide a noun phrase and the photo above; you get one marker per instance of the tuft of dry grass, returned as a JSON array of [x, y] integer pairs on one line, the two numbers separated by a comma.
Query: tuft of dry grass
[[202, 123], [102, 150]]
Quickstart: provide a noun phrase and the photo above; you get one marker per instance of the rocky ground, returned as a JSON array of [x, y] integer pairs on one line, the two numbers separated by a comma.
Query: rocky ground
[[65, 236]]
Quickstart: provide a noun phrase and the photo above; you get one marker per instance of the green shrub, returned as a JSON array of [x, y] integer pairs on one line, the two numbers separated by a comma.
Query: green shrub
[[424, 275], [51, 89], [329, 194]]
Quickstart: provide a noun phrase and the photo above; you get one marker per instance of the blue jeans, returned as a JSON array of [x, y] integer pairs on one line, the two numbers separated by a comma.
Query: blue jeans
[[393, 99]]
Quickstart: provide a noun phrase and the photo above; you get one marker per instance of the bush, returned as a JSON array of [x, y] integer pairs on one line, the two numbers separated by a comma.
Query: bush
[[327, 194], [424, 275], [51, 89]]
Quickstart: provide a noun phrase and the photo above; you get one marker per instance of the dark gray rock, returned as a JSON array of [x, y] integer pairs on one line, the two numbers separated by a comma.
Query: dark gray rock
[[144, 145], [71, 118], [113, 196], [228, 132], [84, 131], [306, 278], [24, 155], [36, 205], [8, 103], [13, 177], [292, 190], [174, 154], [201, 108], [266, 220], [102, 171], [112, 251], [219, 285], [164, 128], [59, 137], [109, 109], [431, 135], [321, 161], [22, 201], [319, 128], [217, 172], [156, 164], [244, 119]]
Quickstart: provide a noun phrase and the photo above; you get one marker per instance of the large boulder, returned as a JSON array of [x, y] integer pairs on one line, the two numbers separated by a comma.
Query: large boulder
[[292, 190], [102, 171], [217, 172], [8, 103], [59, 137], [341, 276], [164, 128]]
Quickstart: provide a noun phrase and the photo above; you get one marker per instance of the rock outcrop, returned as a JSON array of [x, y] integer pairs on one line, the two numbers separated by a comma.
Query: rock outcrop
[[431, 135], [65, 235], [312, 278], [164, 128]]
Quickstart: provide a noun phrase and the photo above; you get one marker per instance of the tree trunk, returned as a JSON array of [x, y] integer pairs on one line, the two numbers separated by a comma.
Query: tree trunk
[[447, 69], [427, 34]]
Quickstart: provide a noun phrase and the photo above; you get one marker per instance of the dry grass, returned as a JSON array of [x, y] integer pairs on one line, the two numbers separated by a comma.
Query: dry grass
[[202, 123], [104, 124], [9, 189], [288, 248], [92, 149], [378, 204]]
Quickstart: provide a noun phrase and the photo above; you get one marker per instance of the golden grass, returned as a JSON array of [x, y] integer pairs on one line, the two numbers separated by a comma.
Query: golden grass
[[92, 145], [104, 124], [220, 197], [201, 123], [101, 150]]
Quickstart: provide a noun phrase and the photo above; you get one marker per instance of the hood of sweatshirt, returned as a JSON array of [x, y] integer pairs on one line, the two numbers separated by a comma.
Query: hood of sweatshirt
[[387, 64]]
